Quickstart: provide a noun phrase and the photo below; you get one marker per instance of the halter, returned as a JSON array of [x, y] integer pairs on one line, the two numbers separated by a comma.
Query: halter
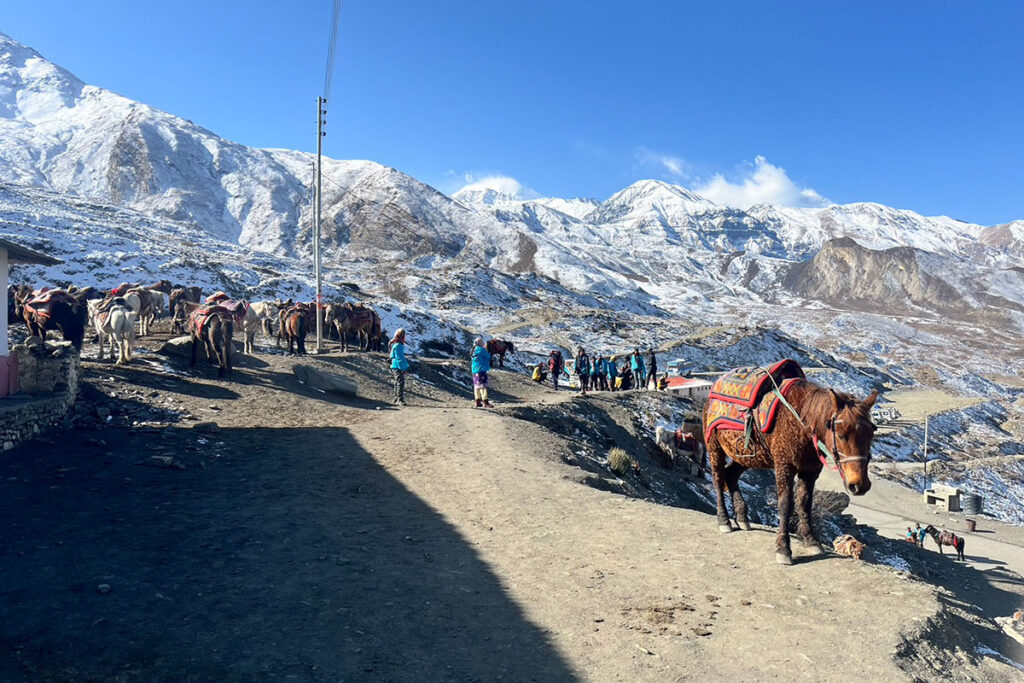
[[821, 450]]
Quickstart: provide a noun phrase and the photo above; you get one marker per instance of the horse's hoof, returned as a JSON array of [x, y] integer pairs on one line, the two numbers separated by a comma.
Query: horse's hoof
[[725, 528], [745, 526], [812, 549], [783, 558]]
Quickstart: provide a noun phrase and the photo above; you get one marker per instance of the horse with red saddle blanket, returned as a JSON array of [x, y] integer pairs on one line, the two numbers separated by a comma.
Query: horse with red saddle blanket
[[213, 327], [944, 537], [55, 309], [774, 418], [246, 319]]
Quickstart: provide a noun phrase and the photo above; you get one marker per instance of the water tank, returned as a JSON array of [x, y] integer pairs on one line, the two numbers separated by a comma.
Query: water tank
[[971, 503]]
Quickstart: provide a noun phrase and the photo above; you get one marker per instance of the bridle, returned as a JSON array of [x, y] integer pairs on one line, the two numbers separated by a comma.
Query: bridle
[[822, 451]]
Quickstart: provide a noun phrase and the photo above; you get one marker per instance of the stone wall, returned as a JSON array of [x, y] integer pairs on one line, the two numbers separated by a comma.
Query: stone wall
[[47, 388], [53, 367], [23, 419]]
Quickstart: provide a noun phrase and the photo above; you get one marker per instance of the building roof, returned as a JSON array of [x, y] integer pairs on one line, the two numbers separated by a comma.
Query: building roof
[[19, 254]]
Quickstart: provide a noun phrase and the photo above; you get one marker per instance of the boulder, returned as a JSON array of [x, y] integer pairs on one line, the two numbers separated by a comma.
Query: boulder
[[178, 346], [325, 381]]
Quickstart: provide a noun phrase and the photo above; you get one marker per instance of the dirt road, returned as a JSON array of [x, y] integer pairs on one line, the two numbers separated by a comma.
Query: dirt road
[[311, 537]]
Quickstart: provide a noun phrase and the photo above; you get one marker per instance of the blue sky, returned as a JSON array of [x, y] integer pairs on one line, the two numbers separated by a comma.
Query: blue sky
[[913, 104]]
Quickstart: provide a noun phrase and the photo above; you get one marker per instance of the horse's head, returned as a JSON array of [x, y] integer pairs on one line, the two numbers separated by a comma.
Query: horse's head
[[850, 432], [510, 347]]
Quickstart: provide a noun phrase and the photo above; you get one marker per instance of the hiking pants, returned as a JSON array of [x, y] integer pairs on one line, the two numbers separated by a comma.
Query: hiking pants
[[399, 376], [584, 382], [652, 374], [554, 380]]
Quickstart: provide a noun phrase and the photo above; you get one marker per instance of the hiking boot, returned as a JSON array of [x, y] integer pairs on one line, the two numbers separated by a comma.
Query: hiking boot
[[487, 404], [478, 404], [402, 402]]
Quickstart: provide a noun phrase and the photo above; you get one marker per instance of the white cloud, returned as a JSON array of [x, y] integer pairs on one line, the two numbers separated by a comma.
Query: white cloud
[[760, 183], [499, 183], [667, 165]]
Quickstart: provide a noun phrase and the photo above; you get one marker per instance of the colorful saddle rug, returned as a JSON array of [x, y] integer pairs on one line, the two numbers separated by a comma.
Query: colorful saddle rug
[[747, 395], [200, 316], [39, 303]]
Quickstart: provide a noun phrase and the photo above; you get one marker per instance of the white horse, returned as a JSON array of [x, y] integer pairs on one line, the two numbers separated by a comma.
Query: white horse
[[118, 324], [250, 324], [141, 302], [267, 312]]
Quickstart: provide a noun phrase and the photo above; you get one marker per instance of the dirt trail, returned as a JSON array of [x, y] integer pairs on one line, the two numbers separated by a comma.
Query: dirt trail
[[311, 537]]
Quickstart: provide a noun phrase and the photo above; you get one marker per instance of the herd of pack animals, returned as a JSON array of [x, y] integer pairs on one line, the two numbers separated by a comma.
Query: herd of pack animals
[[212, 322], [819, 428]]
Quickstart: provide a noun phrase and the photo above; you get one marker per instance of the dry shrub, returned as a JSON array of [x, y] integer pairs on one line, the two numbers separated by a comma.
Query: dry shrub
[[619, 461]]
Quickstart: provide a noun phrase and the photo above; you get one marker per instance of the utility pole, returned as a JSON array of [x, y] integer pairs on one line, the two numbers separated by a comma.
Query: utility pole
[[321, 110], [926, 451]]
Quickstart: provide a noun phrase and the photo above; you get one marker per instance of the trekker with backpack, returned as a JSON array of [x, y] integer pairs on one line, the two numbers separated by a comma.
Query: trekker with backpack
[[596, 373], [583, 369], [481, 365], [555, 365], [399, 365]]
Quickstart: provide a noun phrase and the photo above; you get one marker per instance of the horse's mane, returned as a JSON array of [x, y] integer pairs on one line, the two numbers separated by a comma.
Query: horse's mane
[[820, 405]]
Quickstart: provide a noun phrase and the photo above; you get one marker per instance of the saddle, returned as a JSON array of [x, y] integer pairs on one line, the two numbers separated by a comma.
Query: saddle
[[236, 307], [201, 315], [41, 299], [103, 308], [745, 398]]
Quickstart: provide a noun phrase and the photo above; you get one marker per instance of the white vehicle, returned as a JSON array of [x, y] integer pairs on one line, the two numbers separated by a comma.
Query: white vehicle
[[678, 367]]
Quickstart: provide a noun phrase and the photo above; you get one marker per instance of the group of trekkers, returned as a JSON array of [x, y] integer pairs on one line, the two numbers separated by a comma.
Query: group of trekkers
[[598, 374], [602, 373]]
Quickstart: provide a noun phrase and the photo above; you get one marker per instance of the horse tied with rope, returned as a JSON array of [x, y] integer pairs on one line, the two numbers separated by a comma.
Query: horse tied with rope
[[774, 418]]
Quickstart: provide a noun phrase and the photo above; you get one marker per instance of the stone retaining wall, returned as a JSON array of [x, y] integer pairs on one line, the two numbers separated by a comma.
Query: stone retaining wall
[[21, 420], [47, 388]]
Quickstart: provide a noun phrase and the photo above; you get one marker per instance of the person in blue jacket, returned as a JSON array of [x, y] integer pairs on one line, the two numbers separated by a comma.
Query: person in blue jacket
[[399, 365], [596, 373], [636, 364], [582, 369], [612, 371], [481, 365]]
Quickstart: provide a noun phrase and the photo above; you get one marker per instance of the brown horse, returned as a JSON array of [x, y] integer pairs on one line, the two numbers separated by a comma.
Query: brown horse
[[942, 538], [56, 310], [294, 326], [177, 299], [360, 318], [823, 416], [212, 327], [499, 347]]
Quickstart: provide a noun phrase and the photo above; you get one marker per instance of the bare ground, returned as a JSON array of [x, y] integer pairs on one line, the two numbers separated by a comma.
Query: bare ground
[[310, 537]]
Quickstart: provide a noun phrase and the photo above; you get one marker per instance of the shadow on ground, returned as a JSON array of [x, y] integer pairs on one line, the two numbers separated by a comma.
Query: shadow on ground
[[275, 554]]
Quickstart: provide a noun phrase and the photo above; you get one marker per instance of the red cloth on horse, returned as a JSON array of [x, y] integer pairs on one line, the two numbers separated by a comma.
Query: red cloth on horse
[[216, 298], [748, 394], [120, 290], [41, 299], [201, 315]]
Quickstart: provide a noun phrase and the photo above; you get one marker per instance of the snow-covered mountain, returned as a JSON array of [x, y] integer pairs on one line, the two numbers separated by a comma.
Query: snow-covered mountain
[[481, 255]]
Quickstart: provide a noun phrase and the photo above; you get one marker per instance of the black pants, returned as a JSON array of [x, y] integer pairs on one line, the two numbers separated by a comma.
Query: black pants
[[554, 380], [399, 376], [584, 382], [652, 374]]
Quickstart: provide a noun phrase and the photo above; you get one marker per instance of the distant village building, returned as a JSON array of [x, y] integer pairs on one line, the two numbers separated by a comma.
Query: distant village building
[[11, 252]]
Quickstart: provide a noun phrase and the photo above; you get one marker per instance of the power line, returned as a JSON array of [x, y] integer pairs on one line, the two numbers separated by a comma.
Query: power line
[[332, 43]]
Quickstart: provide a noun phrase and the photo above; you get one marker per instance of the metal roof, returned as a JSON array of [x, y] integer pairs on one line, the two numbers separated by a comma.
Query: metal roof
[[19, 254]]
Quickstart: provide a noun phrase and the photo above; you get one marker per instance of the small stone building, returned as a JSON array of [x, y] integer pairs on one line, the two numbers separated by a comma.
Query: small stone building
[[38, 381], [11, 252]]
